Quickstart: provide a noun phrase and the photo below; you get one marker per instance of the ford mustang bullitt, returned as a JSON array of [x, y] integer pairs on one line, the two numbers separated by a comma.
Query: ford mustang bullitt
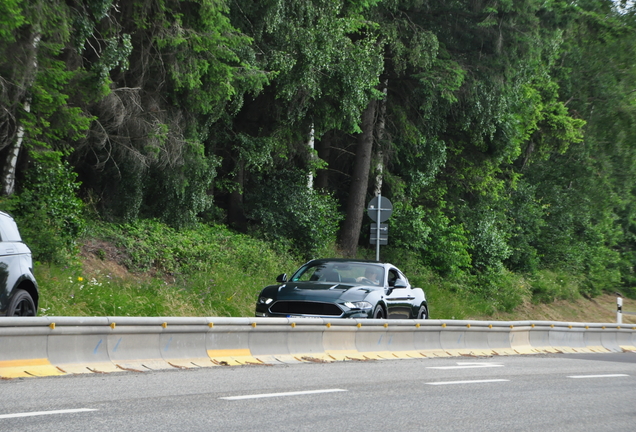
[[343, 288]]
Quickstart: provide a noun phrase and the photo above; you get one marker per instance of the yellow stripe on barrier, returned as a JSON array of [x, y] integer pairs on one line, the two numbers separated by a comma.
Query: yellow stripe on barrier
[[232, 357], [28, 368], [25, 362]]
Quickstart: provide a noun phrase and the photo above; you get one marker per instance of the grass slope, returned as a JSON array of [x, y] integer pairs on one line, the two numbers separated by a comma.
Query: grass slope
[[148, 269]]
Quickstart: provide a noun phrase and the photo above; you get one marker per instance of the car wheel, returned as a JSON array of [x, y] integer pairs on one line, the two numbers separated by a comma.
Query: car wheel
[[21, 304], [378, 312], [422, 313]]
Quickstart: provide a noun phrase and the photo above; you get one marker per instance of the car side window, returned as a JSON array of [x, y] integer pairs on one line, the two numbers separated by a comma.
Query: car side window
[[393, 276], [402, 277]]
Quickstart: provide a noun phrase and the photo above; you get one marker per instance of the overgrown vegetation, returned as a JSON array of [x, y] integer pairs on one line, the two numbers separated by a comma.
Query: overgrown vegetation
[[503, 132], [150, 269]]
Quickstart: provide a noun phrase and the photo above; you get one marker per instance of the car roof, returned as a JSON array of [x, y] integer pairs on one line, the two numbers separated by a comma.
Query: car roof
[[347, 260]]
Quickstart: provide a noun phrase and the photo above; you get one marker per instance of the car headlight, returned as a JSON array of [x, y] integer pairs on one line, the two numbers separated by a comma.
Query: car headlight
[[358, 305], [265, 300]]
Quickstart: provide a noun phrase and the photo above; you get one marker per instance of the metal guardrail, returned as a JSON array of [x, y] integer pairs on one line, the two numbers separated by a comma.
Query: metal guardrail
[[44, 346]]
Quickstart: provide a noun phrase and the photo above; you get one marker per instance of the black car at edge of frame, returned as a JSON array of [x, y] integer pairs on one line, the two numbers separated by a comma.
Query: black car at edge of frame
[[343, 288]]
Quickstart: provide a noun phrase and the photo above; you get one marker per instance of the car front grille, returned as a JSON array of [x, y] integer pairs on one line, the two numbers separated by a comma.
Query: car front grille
[[305, 308]]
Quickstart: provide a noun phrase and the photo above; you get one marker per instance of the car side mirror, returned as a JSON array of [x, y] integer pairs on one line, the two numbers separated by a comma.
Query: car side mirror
[[282, 278], [400, 283]]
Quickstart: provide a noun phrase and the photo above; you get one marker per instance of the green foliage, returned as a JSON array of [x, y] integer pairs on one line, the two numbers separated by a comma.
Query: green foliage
[[177, 197], [151, 245], [201, 51], [53, 122], [284, 208], [548, 286], [448, 248], [506, 132], [408, 227], [503, 290], [47, 209], [527, 217], [11, 18], [488, 237]]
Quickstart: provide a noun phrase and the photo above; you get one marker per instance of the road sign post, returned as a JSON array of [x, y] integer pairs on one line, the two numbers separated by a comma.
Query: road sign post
[[379, 210]]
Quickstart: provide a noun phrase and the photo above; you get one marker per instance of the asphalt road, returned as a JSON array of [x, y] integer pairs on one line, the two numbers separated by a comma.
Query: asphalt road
[[583, 392]]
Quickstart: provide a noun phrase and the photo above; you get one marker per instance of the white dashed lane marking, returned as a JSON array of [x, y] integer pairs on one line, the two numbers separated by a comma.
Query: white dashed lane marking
[[467, 382], [467, 366], [598, 376], [41, 413], [269, 395]]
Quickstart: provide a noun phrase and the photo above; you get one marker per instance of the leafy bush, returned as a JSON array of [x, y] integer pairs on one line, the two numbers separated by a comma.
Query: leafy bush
[[408, 227], [548, 286], [527, 217], [489, 241], [49, 214], [503, 290], [447, 249], [178, 195], [440, 244], [287, 212]]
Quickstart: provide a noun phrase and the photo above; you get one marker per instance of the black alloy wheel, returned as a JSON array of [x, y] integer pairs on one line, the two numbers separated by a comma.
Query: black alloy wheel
[[422, 313], [21, 304], [378, 312]]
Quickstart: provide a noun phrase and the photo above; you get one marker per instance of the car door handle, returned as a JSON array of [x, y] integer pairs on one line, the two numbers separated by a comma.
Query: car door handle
[[10, 250]]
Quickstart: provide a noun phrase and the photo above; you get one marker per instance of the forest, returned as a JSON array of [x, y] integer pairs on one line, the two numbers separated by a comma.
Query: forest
[[503, 131]]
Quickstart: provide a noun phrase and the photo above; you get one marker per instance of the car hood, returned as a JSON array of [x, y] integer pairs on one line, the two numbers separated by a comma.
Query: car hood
[[322, 291]]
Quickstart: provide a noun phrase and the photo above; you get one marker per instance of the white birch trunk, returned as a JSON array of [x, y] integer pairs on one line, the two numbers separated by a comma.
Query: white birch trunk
[[379, 154], [311, 144], [8, 180]]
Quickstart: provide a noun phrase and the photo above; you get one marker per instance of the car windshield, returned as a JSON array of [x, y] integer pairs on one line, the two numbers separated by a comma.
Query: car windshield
[[345, 272]]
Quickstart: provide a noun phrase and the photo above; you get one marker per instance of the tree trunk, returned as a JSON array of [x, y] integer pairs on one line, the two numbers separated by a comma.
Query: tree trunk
[[236, 214], [311, 144], [379, 153], [324, 152], [350, 233], [10, 166]]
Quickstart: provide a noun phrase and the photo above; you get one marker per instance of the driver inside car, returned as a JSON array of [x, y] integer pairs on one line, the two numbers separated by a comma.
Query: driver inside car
[[370, 277]]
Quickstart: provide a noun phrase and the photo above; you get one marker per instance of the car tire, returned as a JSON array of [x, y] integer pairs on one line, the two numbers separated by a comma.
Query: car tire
[[422, 313], [378, 312], [21, 304]]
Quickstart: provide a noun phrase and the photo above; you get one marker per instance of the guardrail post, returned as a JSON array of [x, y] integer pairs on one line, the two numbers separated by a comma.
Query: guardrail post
[[619, 310]]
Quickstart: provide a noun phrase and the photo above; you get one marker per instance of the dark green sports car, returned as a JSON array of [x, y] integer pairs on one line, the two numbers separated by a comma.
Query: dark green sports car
[[341, 288]]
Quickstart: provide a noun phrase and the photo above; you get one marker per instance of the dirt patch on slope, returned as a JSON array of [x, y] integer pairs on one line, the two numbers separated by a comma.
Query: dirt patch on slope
[[600, 309], [100, 257]]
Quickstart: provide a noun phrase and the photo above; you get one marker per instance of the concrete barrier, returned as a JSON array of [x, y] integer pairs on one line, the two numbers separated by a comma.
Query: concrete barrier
[[426, 339], [45, 346]]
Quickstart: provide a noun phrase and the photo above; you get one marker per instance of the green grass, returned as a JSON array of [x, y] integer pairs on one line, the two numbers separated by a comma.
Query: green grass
[[148, 269], [207, 271]]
